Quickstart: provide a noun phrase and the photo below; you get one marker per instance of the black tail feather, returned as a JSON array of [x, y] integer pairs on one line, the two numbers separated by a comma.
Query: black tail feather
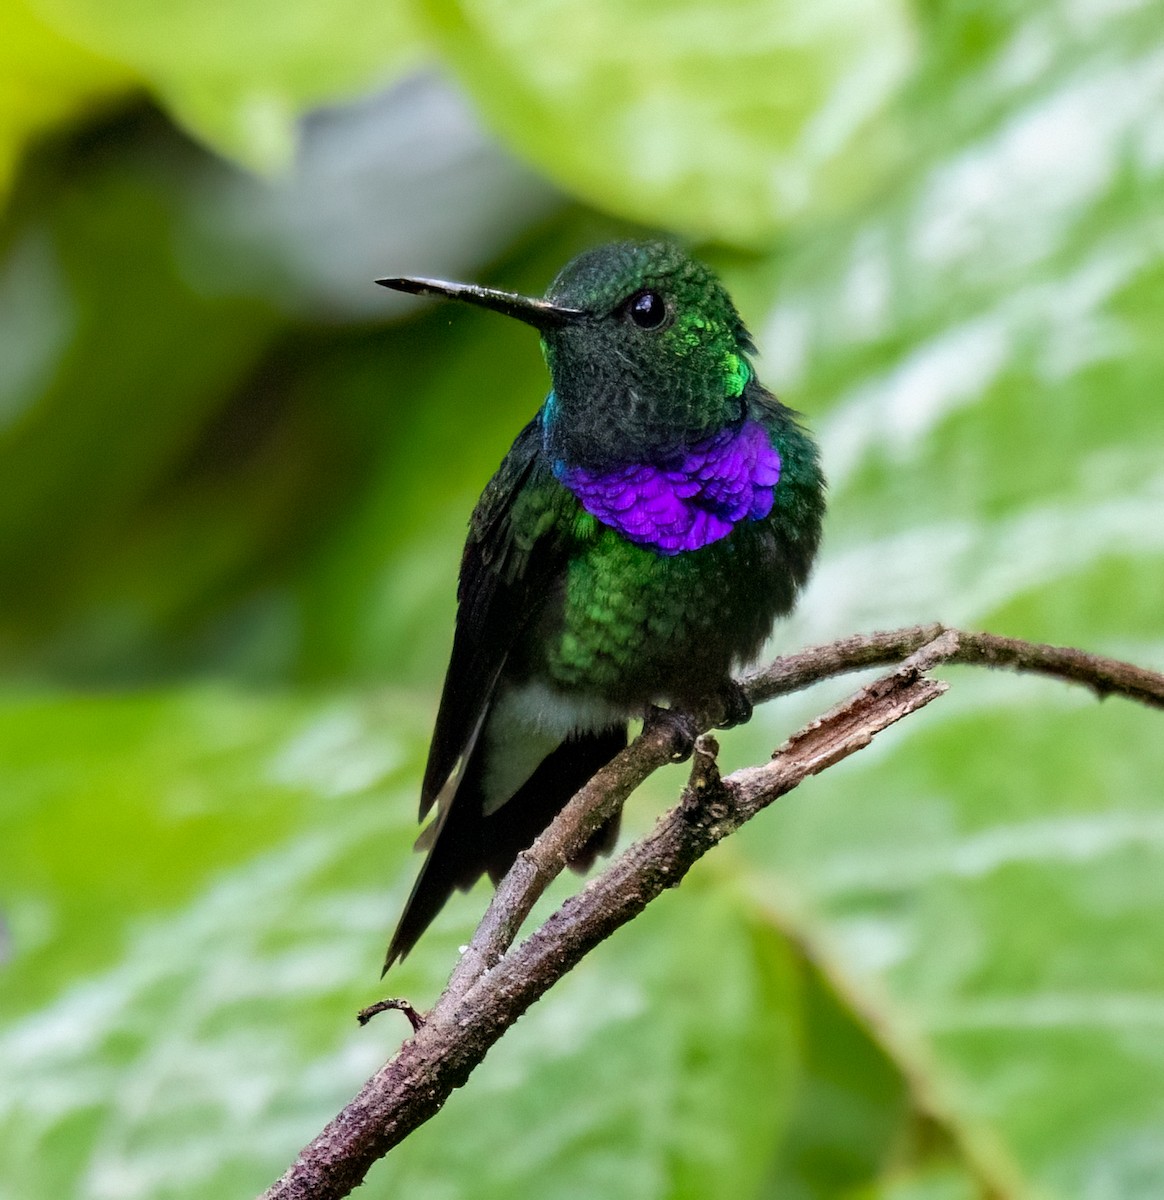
[[469, 844]]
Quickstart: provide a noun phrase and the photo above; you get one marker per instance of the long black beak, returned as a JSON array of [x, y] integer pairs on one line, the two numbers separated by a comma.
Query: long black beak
[[541, 314]]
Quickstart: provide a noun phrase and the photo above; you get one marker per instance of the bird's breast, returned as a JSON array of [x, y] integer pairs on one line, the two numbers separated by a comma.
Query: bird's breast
[[635, 626]]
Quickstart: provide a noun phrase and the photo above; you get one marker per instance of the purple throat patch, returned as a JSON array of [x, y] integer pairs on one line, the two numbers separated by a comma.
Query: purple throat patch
[[690, 499]]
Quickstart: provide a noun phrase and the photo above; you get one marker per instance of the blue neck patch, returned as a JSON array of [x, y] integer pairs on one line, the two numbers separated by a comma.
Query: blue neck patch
[[693, 497]]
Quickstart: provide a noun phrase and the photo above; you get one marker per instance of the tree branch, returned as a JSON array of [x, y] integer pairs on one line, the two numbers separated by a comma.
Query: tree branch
[[1104, 676], [493, 984]]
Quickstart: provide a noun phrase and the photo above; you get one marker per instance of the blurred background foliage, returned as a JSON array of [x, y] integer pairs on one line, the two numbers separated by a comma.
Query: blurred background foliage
[[234, 480]]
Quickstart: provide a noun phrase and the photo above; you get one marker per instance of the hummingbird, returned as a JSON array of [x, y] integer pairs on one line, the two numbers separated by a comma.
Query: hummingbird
[[637, 543]]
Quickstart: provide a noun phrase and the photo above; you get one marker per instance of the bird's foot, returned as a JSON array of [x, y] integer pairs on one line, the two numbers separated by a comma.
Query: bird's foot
[[677, 726], [737, 708], [415, 1019]]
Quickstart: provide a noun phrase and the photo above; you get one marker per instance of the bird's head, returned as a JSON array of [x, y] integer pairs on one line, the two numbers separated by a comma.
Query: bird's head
[[646, 351]]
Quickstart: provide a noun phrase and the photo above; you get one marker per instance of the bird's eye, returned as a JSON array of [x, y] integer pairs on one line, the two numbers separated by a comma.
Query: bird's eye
[[648, 310]]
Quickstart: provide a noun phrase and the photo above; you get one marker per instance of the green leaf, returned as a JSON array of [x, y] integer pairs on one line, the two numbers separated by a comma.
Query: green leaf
[[177, 872], [45, 78], [239, 74], [852, 1109], [726, 121], [989, 881], [196, 886], [994, 898]]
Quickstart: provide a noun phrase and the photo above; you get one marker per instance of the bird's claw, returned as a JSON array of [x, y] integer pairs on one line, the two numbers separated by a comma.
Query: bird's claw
[[737, 708], [678, 726]]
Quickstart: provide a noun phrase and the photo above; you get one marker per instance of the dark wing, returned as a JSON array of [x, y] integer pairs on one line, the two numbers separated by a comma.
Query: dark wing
[[514, 554], [512, 557]]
